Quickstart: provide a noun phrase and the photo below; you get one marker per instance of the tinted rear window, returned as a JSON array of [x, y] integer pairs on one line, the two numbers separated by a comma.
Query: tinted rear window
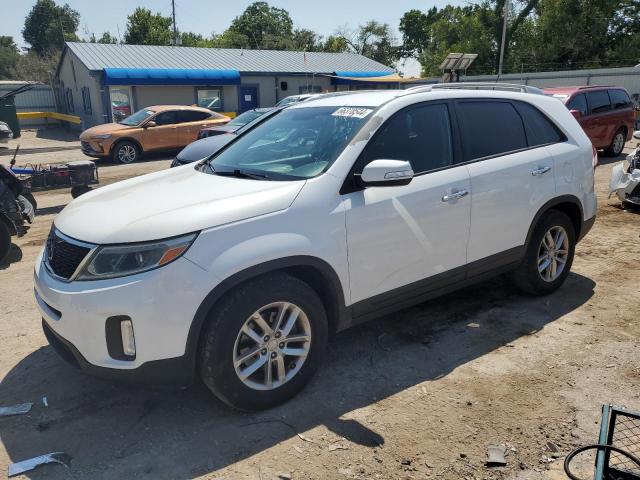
[[540, 130], [191, 116], [490, 128], [599, 101], [619, 99]]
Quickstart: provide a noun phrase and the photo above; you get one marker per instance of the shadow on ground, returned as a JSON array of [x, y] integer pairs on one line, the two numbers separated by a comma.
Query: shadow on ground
[[58, 134], [14, 255], [123, 431]]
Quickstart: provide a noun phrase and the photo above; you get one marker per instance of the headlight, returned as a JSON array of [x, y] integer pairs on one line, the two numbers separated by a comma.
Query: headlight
[[111, 261], [104, 136]]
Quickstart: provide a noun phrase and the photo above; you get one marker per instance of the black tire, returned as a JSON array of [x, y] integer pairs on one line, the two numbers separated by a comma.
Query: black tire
[[615, 147], [5, 241], [125, 152], [527, 277], [225, 321], [31, 199], [79, 190]]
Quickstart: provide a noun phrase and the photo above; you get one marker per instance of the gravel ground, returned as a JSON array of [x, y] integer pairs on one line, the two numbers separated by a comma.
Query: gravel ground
[[417, 394]]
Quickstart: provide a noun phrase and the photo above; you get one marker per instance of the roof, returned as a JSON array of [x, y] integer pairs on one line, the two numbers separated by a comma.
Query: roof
[[98, 56], [575, 89], [365, 98], [160, 108]]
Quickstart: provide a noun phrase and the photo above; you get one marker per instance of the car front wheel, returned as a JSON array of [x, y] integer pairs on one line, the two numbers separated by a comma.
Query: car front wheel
[[126, 152], [264, 342]]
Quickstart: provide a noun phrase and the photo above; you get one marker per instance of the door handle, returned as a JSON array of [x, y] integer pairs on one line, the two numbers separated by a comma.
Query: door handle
[[447, 197], [540, 171]]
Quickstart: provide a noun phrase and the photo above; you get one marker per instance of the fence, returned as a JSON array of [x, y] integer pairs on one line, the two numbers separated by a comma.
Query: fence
[[39, 99]]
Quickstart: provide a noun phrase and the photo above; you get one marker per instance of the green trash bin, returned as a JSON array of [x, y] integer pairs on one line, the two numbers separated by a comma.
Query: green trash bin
[[8, 114]]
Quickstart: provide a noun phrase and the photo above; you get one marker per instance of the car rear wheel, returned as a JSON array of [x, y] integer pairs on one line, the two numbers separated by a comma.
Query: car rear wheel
[[126, 152], [617, 144], [548, 256], [264, 342]]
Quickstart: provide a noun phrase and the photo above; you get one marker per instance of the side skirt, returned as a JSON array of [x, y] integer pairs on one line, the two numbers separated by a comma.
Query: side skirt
[[434, 286]]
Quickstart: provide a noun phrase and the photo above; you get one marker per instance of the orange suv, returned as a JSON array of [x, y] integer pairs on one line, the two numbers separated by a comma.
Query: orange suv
[[161, 127]]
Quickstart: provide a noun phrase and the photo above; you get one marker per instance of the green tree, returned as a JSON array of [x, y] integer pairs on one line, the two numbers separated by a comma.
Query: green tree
[[47, 26], [230, 39], [190, 39], [9, 56], [105, 38], [264, 26], [306, 40], [373, 40], [34, 67], [335, 44], [146, 28]]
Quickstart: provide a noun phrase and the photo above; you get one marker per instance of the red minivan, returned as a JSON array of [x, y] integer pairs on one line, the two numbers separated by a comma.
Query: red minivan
[[605, 113]]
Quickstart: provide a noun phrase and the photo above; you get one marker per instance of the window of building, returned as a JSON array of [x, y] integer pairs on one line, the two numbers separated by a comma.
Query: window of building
[[86, 100], [210, 98], [490, 128], [420, 135], [540, 130], [191, 116], [310, 89], [69, 98], [599, 101], [120, 102], [579, 102], [620, 99]]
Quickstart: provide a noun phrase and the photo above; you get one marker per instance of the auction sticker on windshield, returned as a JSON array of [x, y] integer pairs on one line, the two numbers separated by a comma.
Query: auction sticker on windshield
[[354, 112]]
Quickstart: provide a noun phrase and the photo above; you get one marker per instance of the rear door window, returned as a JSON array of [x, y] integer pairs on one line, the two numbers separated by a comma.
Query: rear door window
[[540, 130], [490, 128], [420, 135], [579, 102], [599, 101], [191, 116], [619, 99]]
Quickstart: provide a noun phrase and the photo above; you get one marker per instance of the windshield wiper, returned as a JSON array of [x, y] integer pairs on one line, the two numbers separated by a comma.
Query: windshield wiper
[[241, 174]]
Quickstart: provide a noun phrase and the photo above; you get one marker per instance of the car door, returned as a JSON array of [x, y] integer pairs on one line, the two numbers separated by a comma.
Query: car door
[[600, 125], [510, 180], [189, 124], [164, 135], [405, 239]]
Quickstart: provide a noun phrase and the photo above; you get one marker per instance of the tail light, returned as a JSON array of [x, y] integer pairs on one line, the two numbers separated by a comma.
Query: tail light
[[594, 157]]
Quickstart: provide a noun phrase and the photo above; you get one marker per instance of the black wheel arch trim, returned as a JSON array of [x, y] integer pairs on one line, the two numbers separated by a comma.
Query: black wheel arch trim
[[333, 298], [126, 139], [581, 231]]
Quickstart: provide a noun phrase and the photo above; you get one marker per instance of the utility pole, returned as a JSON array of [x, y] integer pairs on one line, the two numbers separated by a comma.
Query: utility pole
[[504, 35], [175, 30]]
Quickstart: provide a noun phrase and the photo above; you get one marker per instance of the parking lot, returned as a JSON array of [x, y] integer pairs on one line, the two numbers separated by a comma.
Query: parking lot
[[417, 394]]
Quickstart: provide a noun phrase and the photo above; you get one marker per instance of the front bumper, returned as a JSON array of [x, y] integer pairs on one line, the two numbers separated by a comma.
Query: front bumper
[[161, 304], [93, 149]]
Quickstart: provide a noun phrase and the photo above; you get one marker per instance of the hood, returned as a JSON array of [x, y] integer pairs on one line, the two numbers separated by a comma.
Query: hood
[[169, 203], [203, 148], [104, 128]]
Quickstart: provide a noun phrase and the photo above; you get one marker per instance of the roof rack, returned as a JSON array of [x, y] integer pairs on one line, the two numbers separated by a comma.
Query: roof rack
[[509, 87]]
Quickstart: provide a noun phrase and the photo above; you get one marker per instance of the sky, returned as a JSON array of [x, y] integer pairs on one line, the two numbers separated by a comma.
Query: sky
[[207, 16]]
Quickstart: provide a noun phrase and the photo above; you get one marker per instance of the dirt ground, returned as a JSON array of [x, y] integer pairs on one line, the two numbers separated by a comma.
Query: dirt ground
[[417, 394]]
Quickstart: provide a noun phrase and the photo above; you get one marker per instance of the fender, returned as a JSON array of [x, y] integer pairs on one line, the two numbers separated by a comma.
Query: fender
[[582, 227], [126, 139], [337, 311]]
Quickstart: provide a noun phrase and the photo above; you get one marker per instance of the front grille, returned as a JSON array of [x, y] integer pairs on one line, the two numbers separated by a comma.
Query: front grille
[[86, 146], [64, 257]]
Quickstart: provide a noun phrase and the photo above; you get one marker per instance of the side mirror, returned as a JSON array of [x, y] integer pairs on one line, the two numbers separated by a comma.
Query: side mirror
[[150, 123], [386, 173], [576, 113], [636, 134]]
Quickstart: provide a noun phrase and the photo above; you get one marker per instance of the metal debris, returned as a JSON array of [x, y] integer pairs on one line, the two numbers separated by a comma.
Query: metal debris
[[19, 409], [27, 465], [473, 325], [495, 456], [45, 402], [337, 446]]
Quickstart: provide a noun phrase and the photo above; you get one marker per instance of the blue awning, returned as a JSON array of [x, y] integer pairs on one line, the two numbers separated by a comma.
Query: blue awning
[[170, 76]]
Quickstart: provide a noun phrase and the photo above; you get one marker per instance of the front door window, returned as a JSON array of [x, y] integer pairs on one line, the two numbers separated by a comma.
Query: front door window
[[120, 103]]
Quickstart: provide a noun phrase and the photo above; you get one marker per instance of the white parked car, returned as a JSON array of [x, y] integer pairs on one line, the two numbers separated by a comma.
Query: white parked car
[[331, 212]]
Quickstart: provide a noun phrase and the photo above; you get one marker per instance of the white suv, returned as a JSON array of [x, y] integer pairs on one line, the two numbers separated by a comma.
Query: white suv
[[332, 212]]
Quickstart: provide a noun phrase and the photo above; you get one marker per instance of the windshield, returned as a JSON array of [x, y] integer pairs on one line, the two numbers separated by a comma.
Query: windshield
[[245, 118], [295, 143], [137, 118]]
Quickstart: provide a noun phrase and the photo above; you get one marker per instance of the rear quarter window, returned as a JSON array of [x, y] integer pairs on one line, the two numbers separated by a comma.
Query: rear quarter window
[[540, 129], [490, 128], [619, 99]]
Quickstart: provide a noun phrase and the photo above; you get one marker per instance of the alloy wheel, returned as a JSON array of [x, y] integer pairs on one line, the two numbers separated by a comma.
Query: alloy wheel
[[272, 346], [126, 153], [553, 253], [618, 143]]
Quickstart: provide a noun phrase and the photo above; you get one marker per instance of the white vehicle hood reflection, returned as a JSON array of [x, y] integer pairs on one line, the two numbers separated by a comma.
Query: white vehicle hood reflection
[[169, 203]]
